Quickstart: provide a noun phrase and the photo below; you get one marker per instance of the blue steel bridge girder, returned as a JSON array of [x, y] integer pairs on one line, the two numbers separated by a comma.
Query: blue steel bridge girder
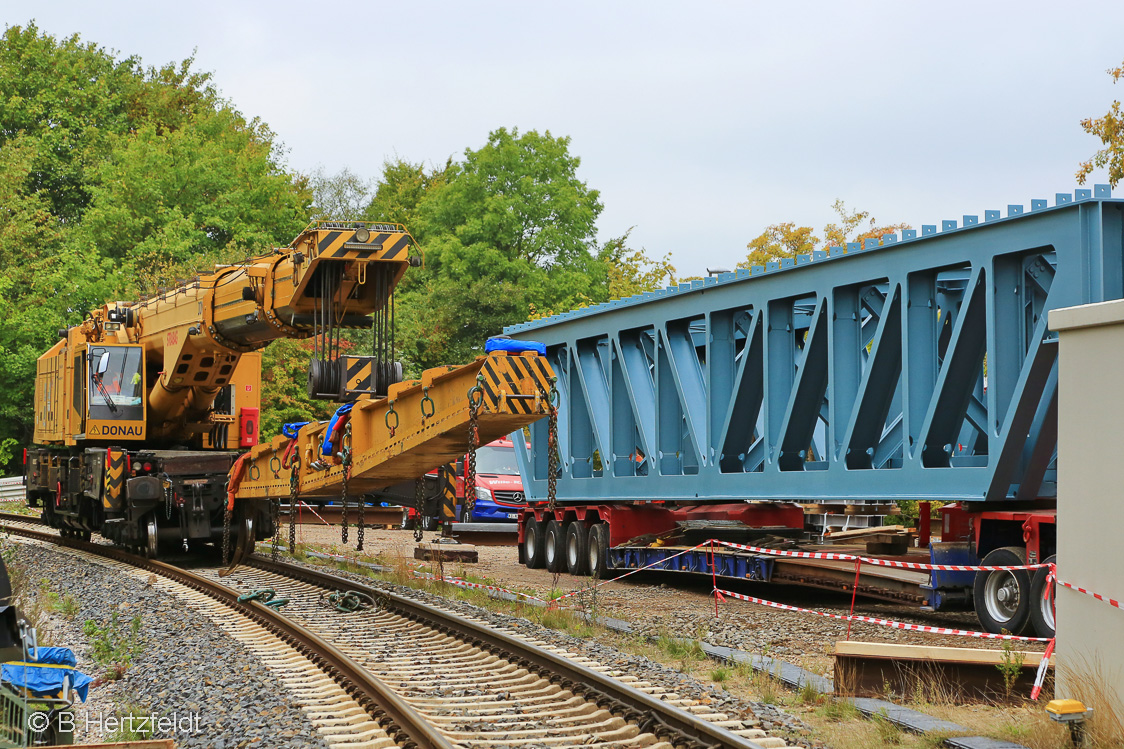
[[919, 369]]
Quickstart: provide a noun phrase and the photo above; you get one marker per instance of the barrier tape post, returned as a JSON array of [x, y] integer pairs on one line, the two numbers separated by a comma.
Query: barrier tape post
[[854, 592], [714, 577], [1040, 677]]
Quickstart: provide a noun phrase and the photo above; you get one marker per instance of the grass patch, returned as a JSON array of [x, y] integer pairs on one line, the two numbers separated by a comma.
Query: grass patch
[[134, 726], [113, 644], [889, 733], [837, 710]]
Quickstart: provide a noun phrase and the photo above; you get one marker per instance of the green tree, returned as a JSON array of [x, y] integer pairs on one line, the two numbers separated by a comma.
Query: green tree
[[631, 271], [508, 230], [402, 189], [1110, 129], [340, 196], [114, 178]]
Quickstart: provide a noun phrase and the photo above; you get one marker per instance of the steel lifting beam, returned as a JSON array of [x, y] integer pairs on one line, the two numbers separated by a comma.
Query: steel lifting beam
[[420, 425], [915, 367]]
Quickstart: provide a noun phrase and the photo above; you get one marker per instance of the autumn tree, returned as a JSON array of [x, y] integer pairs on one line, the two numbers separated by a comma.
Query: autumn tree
[[857, 226], [779, 241], [1110, 129], [787, 240]]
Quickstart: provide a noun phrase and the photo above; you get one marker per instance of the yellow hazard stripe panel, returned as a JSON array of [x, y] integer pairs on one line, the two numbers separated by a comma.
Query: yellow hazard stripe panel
[[514, 375]]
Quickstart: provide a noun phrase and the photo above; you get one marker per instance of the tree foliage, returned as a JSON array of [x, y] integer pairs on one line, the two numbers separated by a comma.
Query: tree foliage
[[508, 229], [779, 241], [631, 271], [115, 178], [1110, 129], [787, 240]]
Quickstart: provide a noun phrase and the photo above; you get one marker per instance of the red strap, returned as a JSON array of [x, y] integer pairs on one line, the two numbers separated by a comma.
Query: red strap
[[236, 472]]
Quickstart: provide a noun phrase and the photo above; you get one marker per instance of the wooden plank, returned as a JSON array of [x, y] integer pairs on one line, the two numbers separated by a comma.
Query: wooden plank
[[933, 673], [860, 532], [932, 653]]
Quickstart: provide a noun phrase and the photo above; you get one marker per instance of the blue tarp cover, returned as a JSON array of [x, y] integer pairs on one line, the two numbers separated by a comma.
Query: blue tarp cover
[[515, 347], [44, 677]]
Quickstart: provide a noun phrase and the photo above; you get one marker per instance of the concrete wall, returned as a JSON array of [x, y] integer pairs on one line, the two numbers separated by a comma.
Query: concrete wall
[[1090, 633]]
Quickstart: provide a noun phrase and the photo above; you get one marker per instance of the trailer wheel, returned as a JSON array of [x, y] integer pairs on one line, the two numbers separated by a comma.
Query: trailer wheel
[[577, 561], [1002, 598], [597, 550], [533, 550], [1042, 608], [429, 523], [554, 543]]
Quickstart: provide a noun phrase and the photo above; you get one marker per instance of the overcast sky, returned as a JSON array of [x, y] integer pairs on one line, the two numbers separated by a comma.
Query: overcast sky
[[700, 123]]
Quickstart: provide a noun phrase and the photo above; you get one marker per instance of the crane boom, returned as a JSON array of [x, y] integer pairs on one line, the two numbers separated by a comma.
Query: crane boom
[[139, 408]]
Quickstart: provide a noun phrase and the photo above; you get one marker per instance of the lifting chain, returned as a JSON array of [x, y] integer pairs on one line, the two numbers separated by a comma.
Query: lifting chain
[[475, 400], [275, 513], [345, 455], [294, 499], [419, 503], [343, 510], [168, 496], [552, 446], [227, 512]]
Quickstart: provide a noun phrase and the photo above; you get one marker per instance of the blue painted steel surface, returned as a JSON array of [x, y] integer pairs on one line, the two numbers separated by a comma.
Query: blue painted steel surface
[[727, 564], [918, 369]]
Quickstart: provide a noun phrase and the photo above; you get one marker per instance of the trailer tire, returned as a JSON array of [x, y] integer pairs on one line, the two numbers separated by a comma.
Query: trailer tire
[[533, 547], [1041, 609], [429, 523], [597, 550], [554, 547], [1002, 598], [577, 545]]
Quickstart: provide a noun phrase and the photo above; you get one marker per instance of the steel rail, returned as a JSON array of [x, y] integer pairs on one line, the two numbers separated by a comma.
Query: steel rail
[[401, 721], [650, 713]]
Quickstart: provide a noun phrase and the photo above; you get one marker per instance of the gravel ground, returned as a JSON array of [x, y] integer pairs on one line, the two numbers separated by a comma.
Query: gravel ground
[[766, 716], [657, 603], [185, 663]]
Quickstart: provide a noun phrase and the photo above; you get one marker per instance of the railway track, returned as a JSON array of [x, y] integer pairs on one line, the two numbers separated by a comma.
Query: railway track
[[410, 674]]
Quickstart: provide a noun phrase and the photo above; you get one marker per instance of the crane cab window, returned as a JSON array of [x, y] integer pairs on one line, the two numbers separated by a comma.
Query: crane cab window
[[116, 383]]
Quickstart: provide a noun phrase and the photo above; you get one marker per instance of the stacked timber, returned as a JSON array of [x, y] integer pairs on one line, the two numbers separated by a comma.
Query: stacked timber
[[886, 539]]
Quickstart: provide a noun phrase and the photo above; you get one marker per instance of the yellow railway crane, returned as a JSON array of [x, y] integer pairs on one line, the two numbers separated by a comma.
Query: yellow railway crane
[[143, 409]]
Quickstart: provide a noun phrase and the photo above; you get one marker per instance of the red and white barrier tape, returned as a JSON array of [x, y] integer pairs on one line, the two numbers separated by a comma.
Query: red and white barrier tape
[[1040, 676], [1054, 578], [838, 556], [874, 620]]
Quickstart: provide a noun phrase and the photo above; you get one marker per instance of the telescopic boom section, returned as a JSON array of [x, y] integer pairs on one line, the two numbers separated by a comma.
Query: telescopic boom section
[[334, 276], [421, 424]]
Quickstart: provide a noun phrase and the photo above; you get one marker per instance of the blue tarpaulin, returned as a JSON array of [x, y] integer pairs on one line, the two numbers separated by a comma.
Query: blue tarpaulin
[[44, 677], [515, 347]]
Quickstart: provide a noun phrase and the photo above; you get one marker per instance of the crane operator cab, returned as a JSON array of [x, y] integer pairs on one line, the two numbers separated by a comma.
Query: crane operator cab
[[115, 404]]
